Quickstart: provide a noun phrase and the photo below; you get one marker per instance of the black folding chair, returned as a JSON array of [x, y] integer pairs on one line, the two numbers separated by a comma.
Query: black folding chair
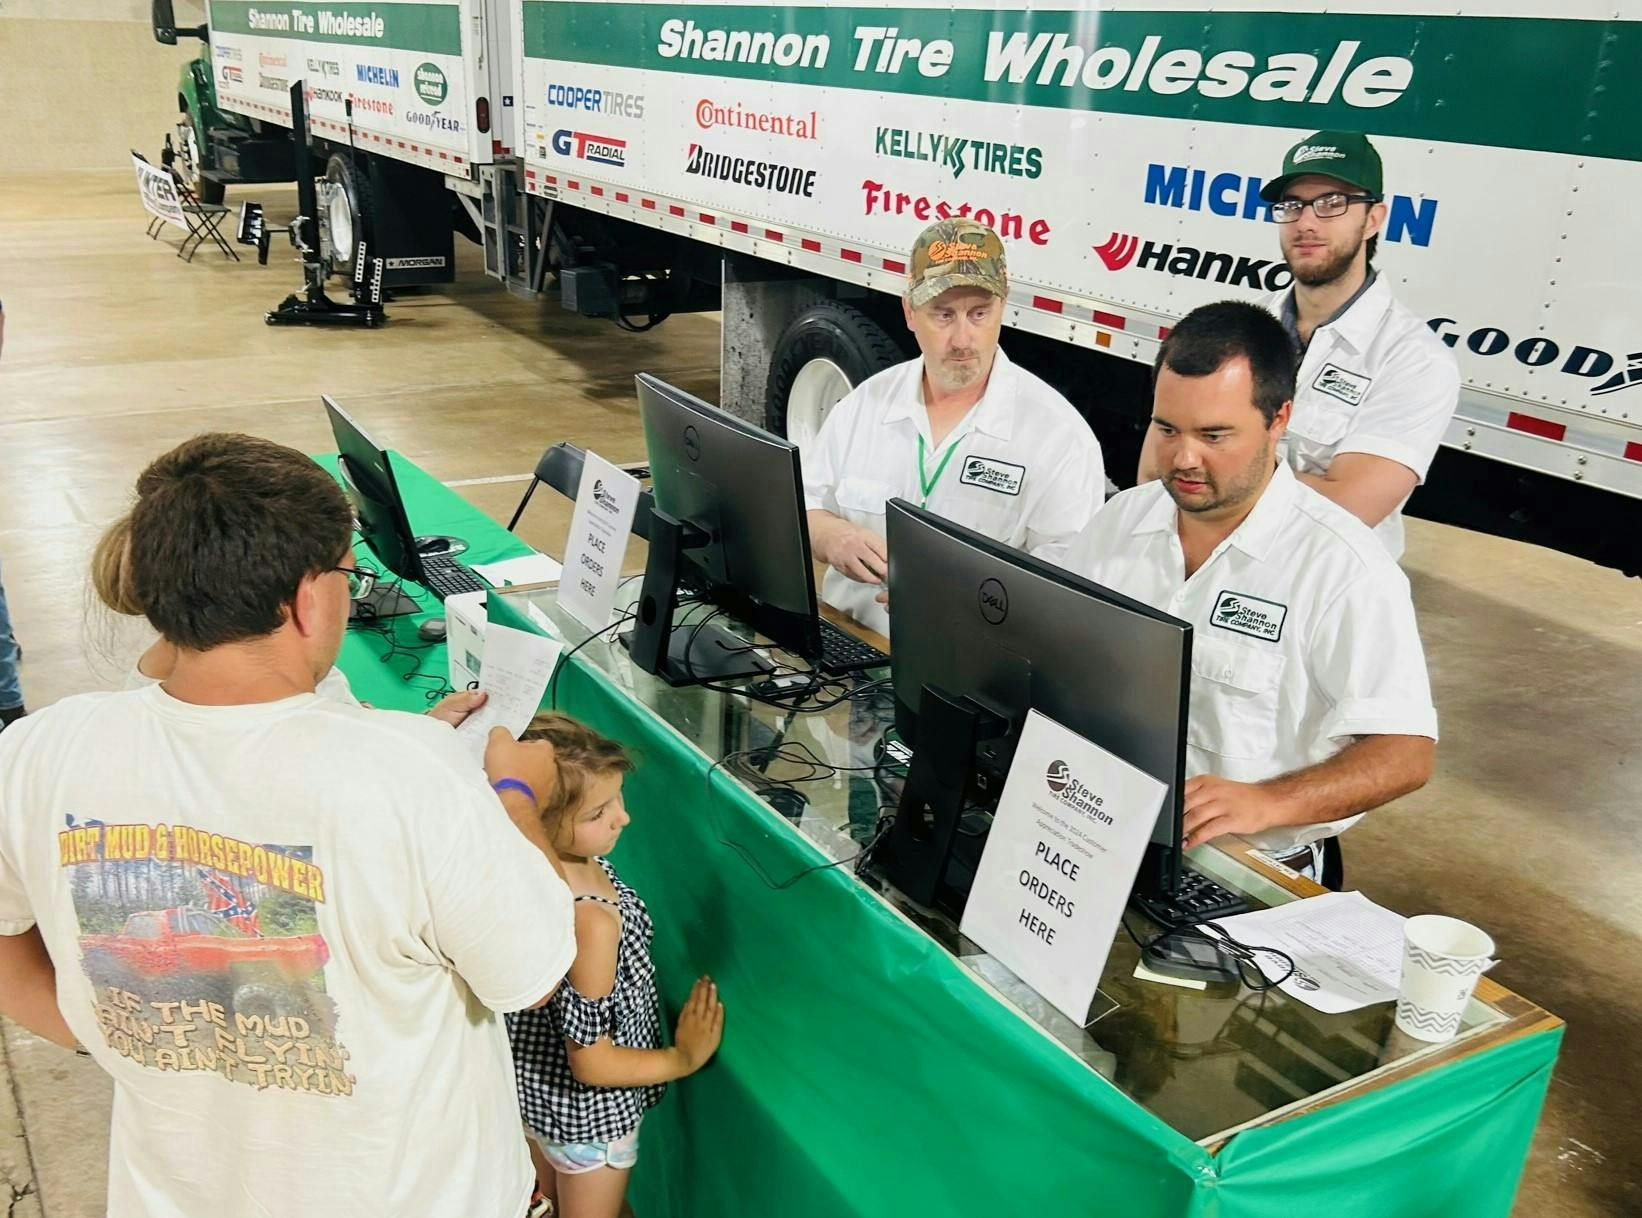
[[204, 220], [561, 468]]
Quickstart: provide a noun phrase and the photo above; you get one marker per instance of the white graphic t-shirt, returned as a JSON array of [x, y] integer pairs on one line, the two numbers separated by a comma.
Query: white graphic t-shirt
[[285, 930]]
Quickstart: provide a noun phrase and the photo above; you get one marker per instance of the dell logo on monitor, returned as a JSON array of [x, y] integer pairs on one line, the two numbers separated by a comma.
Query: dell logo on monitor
[[994, 601], [692, 443]]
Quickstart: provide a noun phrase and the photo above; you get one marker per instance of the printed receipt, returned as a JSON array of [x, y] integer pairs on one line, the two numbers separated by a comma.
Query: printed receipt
[[1348, 951], [517, 668]]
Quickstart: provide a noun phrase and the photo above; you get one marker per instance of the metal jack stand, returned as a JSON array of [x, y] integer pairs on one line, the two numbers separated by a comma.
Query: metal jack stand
[[314, 307]]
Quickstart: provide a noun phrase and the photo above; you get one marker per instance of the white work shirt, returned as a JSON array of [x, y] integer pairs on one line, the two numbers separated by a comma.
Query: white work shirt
[[1303, 632], [1024, 468], [333, 684], [1376, 380], [342, 903]]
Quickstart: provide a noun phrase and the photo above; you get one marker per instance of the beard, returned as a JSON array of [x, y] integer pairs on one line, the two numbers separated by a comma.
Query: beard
[[1339, 261], [1215, 497], [949, 375]]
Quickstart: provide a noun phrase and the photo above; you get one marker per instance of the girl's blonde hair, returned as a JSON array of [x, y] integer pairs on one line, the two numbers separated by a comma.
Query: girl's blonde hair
[[111, 570], [581, 755]]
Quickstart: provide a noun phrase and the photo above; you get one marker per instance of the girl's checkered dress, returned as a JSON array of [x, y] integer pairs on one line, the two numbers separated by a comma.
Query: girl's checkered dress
[[555, 1105]]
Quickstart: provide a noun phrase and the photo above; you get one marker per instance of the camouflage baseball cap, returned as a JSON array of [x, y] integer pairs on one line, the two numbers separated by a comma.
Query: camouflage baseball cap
[[956, 254], [1346, 155]]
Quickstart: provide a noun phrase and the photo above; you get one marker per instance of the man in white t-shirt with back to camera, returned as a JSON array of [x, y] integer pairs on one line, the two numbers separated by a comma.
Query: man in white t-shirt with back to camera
[[960, 430], [283, 924]]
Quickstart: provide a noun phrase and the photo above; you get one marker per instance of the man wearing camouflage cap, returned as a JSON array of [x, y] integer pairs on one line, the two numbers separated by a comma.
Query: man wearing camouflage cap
[[960, 430]]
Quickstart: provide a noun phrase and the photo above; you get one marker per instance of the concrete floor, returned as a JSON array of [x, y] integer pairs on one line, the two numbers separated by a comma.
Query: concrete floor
[[115, 351]]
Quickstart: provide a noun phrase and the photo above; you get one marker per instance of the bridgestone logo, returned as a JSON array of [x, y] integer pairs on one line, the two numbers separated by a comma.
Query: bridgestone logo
[[745, 171]]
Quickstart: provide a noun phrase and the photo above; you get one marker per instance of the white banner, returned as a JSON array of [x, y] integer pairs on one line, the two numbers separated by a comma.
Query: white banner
[[1065, 845], [159, 193], [606, 502]]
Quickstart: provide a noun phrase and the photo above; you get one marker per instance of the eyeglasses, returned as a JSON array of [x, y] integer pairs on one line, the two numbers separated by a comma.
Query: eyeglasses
[[360, 581], [1324, 207]]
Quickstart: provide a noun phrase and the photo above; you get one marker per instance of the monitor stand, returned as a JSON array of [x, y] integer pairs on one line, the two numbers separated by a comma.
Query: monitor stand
[[918, 851], [385, 600], [687, 654]]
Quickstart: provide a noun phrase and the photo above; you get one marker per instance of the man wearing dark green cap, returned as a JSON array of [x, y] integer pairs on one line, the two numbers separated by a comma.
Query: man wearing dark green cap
[[960, 430], [1376, 388]]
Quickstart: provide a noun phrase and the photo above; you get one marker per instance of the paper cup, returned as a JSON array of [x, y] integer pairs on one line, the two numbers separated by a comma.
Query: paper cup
[[1442, 959]]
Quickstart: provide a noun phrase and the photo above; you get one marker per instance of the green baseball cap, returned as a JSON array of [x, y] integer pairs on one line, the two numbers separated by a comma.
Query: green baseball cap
[[1346, 155], [956, 254]]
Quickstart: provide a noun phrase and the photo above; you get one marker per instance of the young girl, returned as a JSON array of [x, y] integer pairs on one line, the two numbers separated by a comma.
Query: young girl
[[591, 1062]]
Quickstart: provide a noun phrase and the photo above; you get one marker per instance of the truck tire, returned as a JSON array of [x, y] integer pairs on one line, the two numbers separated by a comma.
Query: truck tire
[[348, 213], [829, 349], [192, 141]]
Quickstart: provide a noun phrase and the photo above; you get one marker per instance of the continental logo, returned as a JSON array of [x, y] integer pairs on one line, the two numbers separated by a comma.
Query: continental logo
[[1122, 250]]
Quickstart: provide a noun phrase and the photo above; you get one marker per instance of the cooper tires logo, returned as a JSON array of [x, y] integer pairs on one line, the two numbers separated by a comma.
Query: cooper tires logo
[[994, 602]]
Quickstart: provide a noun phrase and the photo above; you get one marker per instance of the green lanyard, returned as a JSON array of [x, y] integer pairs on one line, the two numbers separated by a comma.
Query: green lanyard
[[926, 485]]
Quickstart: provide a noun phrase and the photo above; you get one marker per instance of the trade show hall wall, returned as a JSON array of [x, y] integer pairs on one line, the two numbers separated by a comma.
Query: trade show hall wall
[[50, 50]]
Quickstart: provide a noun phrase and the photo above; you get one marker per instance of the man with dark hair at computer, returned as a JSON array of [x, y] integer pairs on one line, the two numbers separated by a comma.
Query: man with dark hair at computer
[[1310, 703], [283, 924]]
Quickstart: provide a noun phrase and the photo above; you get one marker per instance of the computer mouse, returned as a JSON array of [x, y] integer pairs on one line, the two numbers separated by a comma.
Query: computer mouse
[[432, 630], [789, 801], [432, 545]]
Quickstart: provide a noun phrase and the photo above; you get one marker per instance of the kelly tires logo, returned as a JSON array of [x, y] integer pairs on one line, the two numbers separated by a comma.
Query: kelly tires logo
[[430, 84], [1122, 250], [584, 146], [955, 154]]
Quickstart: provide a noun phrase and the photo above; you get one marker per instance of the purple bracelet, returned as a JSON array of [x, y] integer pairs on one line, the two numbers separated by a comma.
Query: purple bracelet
[[513, 784]]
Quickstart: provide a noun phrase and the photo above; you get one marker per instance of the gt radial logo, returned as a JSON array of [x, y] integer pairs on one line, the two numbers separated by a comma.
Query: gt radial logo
[[1118, 251], [600, 149]]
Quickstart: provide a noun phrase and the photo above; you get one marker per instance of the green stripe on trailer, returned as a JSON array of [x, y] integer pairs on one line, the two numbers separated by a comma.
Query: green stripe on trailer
[[432, 28], [1541, 84]]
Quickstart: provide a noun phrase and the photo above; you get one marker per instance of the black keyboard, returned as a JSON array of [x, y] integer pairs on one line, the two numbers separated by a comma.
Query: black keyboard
[[842, 652], [445, 577], [1198, 899]]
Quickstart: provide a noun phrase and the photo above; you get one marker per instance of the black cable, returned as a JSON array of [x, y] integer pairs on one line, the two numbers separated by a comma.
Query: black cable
[[382, 627], [1242, 954], [878, 833], [564, 658]]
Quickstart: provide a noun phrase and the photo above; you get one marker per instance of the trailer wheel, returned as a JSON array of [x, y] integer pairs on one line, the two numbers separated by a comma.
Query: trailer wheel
[[347, 213], [829, 349]]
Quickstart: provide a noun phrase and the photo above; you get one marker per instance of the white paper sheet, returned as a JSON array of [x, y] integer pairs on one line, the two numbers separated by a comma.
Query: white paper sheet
[[517, 668], [1348, 951], [530, 569]]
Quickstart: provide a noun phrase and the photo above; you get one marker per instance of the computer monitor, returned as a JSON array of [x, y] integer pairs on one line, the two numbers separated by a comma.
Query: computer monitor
[[728, 524], [368, 475], [985, 633]]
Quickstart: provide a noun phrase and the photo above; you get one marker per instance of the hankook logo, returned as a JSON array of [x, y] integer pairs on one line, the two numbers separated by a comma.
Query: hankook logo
[[994, 601], [692, 443]]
